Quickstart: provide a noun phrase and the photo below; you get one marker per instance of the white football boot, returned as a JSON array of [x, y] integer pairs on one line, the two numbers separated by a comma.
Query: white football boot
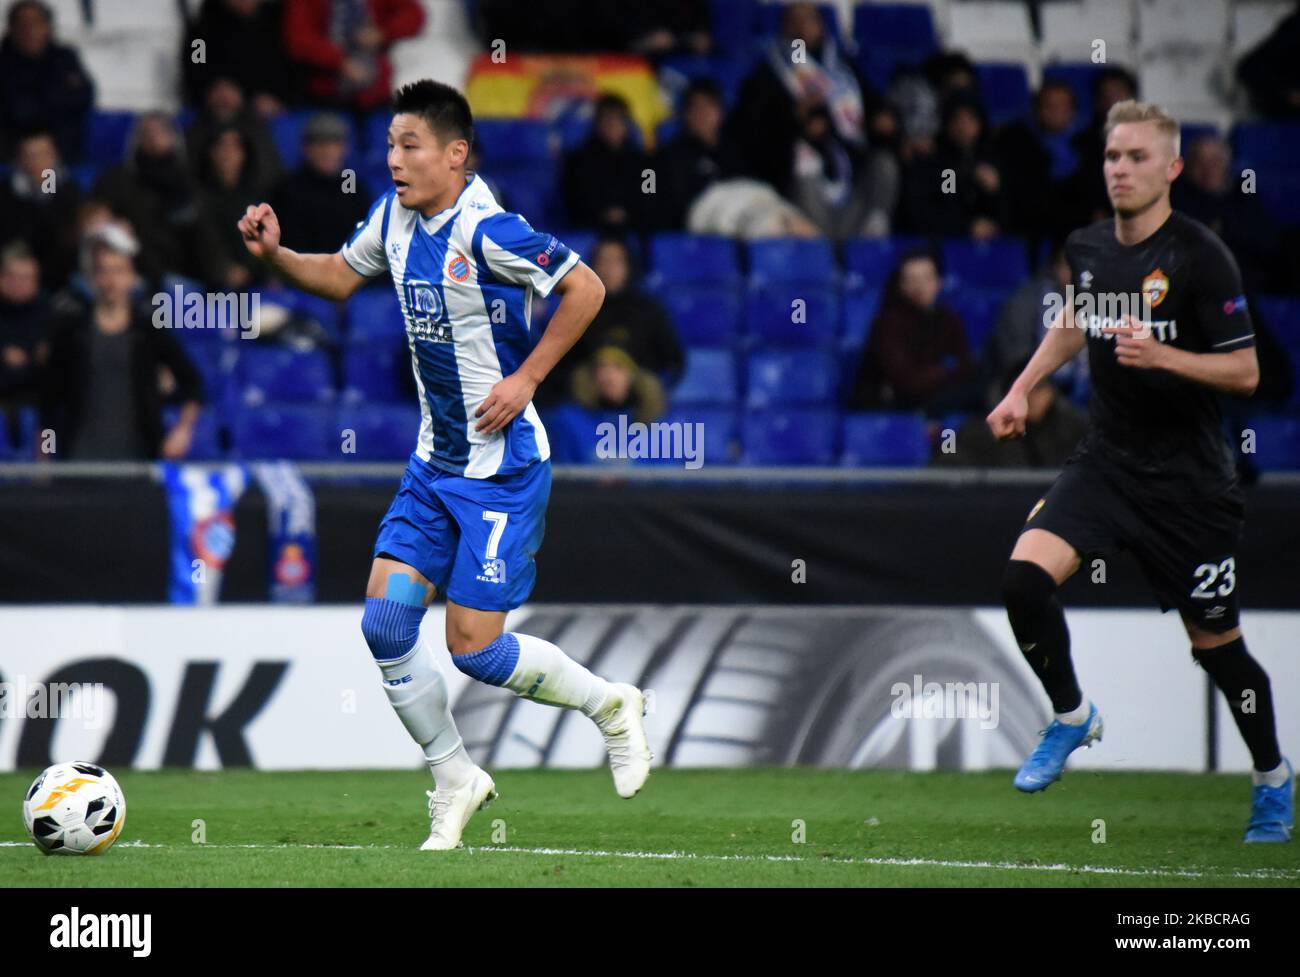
[[623, 726], [450, 810]]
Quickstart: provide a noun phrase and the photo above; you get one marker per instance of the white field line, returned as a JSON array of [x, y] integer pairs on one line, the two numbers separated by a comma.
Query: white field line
[[1262, 874]]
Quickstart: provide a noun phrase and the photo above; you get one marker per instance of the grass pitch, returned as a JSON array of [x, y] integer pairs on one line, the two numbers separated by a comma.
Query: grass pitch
[[686, 828]]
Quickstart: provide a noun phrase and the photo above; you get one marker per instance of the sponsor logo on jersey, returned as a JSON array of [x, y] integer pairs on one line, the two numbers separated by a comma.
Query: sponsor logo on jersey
[[544, 258], [1155, 287], [426, 316], [1237, 304], [458, 268]]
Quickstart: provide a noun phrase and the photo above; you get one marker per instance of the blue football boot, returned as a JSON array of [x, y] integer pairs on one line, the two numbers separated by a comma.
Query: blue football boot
[[1045, 764], [1272, 811]]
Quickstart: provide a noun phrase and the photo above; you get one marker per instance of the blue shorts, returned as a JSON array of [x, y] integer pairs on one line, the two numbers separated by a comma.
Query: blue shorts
[[473, 538]]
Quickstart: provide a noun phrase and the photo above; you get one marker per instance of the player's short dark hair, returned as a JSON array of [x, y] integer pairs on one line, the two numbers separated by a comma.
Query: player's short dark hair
[[444, 109]]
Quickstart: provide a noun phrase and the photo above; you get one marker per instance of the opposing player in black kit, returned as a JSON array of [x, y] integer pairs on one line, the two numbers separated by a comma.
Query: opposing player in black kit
[[1154, 475]]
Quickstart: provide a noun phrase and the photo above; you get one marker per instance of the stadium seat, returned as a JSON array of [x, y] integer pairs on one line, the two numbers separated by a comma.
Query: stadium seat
[[298, 432], [307, 306], [790, 378], [382, 432], [1178, 23], [886, 438], [379, 371], [276, 373], [107, 134], [704, 315], [1260, 143], [206, 443], [721, 445], [789, 314], [1277, 443], [677, 72], [1005, 91], [890, 36], [978, 309], [679, 258], [993, 30], [1281, 315], [996, 263], [373, 313], [859, 307], [583, 242], [709, 378], [529, 189], [869, 262], [514, 141], [790, 259], [572, 433], [794, 436], [1069, 27], [734, 24]]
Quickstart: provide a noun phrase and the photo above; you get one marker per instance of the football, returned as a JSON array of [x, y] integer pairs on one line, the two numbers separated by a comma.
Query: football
[[74, 809]]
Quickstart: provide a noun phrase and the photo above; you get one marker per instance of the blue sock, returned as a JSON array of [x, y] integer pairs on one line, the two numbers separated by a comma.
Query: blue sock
[[492, 665]]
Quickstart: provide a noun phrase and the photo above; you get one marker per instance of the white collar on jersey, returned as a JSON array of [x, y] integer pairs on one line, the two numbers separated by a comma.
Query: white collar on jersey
[[475, 193]]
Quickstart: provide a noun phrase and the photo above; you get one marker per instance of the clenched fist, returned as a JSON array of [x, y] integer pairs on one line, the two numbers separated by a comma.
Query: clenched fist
[[261, 231]]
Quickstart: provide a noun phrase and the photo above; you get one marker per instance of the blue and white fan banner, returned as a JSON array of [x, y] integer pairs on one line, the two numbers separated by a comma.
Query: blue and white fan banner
[[291, 528], [201, 502]]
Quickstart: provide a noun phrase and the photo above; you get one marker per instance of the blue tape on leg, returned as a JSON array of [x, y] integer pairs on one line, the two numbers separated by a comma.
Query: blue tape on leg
[[403, 590]]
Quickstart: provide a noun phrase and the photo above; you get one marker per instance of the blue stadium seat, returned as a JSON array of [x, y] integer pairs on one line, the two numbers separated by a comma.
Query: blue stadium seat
[[373, 313], [298, 432], [377, 372], [795, 436], [734, 24], [583, 242], [790, 378], [885, 438], [528, 189], [107, 134], [1281, 315], [721, 445], [1260, 143], [276, 373], [307, 306], [997, 263], [571, 430], [860, 306], [792, 259], [1279, 190], [709, 378], [206, 445], [513, 141], [890, 36], [382, 432], [771, 312], [979, 310], [1277, 443], [870, 261], [704, 315], [678, 258], [1004, 89], [677, 72]]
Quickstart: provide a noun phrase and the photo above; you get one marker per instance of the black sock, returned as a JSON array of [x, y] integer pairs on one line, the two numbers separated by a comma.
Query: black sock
[[1245, 685], [1038, 622]]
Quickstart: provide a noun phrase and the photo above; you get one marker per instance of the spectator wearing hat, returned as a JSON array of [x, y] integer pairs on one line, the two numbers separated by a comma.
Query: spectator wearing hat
[[318, 210], [612, 381]]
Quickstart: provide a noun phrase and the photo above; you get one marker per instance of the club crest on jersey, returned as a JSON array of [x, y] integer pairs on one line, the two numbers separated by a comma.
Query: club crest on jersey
[[426, 316], [1155, 287], [458, 268]]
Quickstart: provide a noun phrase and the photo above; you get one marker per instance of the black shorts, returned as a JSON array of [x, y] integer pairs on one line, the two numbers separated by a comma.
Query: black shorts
[[1186, 546]]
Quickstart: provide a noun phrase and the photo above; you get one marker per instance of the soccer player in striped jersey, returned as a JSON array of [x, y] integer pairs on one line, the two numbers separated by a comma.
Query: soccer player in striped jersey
[[469, 514]]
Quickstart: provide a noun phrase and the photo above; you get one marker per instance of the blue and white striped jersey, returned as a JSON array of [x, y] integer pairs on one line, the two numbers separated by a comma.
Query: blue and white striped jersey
[[465, 280]]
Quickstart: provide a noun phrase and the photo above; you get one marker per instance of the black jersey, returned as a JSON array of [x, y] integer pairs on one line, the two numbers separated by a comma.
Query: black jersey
[[1152, 423]]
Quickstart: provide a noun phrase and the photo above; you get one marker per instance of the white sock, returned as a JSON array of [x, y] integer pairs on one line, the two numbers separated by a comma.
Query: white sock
[[1078, 716], [1271, 778], [546, 674], [418, 693]]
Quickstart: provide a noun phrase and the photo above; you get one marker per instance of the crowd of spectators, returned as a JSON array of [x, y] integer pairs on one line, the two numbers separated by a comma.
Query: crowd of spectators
[[804, 146]]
